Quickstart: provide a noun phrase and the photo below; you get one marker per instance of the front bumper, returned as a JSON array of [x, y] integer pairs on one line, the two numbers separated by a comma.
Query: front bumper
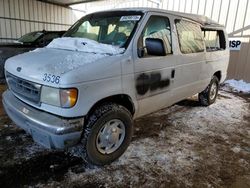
[[46, 129]]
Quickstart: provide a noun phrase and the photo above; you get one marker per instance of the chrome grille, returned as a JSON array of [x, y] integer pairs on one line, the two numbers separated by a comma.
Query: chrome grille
[[25, 89]]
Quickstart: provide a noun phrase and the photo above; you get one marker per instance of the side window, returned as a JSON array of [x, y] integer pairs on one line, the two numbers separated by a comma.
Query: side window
[[190, 37], [157, 27], [214, 40]]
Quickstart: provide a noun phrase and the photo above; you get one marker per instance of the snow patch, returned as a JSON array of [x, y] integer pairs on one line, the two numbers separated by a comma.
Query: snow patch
[[74, 61], [32, 149], [239, 85], [8, 138], [209, 120], [84, 45], [236, 149], [36, 50]]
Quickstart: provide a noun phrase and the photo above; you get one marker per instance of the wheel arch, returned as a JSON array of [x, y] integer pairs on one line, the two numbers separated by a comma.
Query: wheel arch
[[218, 75], [121, 99]]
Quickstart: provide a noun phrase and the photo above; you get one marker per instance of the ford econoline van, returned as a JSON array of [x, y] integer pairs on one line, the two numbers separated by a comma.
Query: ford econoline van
[[110, 68]]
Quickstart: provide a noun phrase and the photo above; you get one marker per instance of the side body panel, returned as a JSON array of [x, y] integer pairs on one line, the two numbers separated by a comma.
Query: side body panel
[[186, 81], [188, 67], [216, 61]]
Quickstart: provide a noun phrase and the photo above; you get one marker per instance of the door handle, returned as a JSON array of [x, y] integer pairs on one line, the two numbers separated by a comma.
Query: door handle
[[173, 73]]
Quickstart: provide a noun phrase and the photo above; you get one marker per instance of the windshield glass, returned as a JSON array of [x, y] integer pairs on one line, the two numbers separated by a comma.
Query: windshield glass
[[30, 37], [113, 28]]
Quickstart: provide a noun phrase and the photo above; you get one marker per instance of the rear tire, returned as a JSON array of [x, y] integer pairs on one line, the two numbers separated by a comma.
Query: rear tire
[[209, 95], [107, 134]]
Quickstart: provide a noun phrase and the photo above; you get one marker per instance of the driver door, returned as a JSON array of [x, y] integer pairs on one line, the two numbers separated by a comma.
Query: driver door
[[154, 75]]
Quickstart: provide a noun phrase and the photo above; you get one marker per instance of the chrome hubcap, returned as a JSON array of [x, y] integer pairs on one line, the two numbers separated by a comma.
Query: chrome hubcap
[[213, 91], [110, 136]]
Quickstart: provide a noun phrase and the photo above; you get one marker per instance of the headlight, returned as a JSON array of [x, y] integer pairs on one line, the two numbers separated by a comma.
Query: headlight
[[50, 95], [65, 98]]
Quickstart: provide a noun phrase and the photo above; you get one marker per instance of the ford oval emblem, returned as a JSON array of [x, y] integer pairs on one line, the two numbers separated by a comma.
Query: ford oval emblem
[[18, 69]]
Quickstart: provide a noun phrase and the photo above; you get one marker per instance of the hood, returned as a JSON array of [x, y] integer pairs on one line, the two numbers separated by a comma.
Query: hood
[[62, 63]]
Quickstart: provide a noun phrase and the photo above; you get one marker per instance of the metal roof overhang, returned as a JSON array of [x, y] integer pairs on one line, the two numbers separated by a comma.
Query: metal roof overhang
[[67, 2]]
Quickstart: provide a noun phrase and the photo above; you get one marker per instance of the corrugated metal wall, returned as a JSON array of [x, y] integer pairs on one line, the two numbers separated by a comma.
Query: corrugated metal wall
[[234, 14], [18, 17]]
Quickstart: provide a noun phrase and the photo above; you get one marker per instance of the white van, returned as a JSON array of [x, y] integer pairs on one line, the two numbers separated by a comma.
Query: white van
[[109, 68]]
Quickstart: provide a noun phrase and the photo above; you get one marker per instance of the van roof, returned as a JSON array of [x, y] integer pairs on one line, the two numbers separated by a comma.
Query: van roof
[[203, 20]]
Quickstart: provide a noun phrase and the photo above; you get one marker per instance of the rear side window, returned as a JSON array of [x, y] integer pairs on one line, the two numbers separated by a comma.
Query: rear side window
[[190, 37], [214, 40]]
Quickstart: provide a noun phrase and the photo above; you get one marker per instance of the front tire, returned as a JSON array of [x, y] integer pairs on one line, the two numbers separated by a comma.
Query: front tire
[[209, 95], [107, 134]]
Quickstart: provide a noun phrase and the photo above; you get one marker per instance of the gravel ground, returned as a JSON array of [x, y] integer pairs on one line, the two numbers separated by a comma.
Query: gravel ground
[[184, 145]]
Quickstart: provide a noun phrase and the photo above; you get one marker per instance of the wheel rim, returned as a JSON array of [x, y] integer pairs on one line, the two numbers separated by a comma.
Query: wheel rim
[[110, 136], [213, 91]]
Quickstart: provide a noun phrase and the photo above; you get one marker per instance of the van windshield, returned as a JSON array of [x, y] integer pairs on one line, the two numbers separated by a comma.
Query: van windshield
[[115, 28]]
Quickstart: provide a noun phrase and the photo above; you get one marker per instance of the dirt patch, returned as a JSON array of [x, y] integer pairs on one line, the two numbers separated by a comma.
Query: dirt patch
[[241, 182], [40, 168], [24, 162]]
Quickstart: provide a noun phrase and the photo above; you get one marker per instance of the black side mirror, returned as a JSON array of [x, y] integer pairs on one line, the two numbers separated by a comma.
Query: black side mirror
[[155, 47]]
